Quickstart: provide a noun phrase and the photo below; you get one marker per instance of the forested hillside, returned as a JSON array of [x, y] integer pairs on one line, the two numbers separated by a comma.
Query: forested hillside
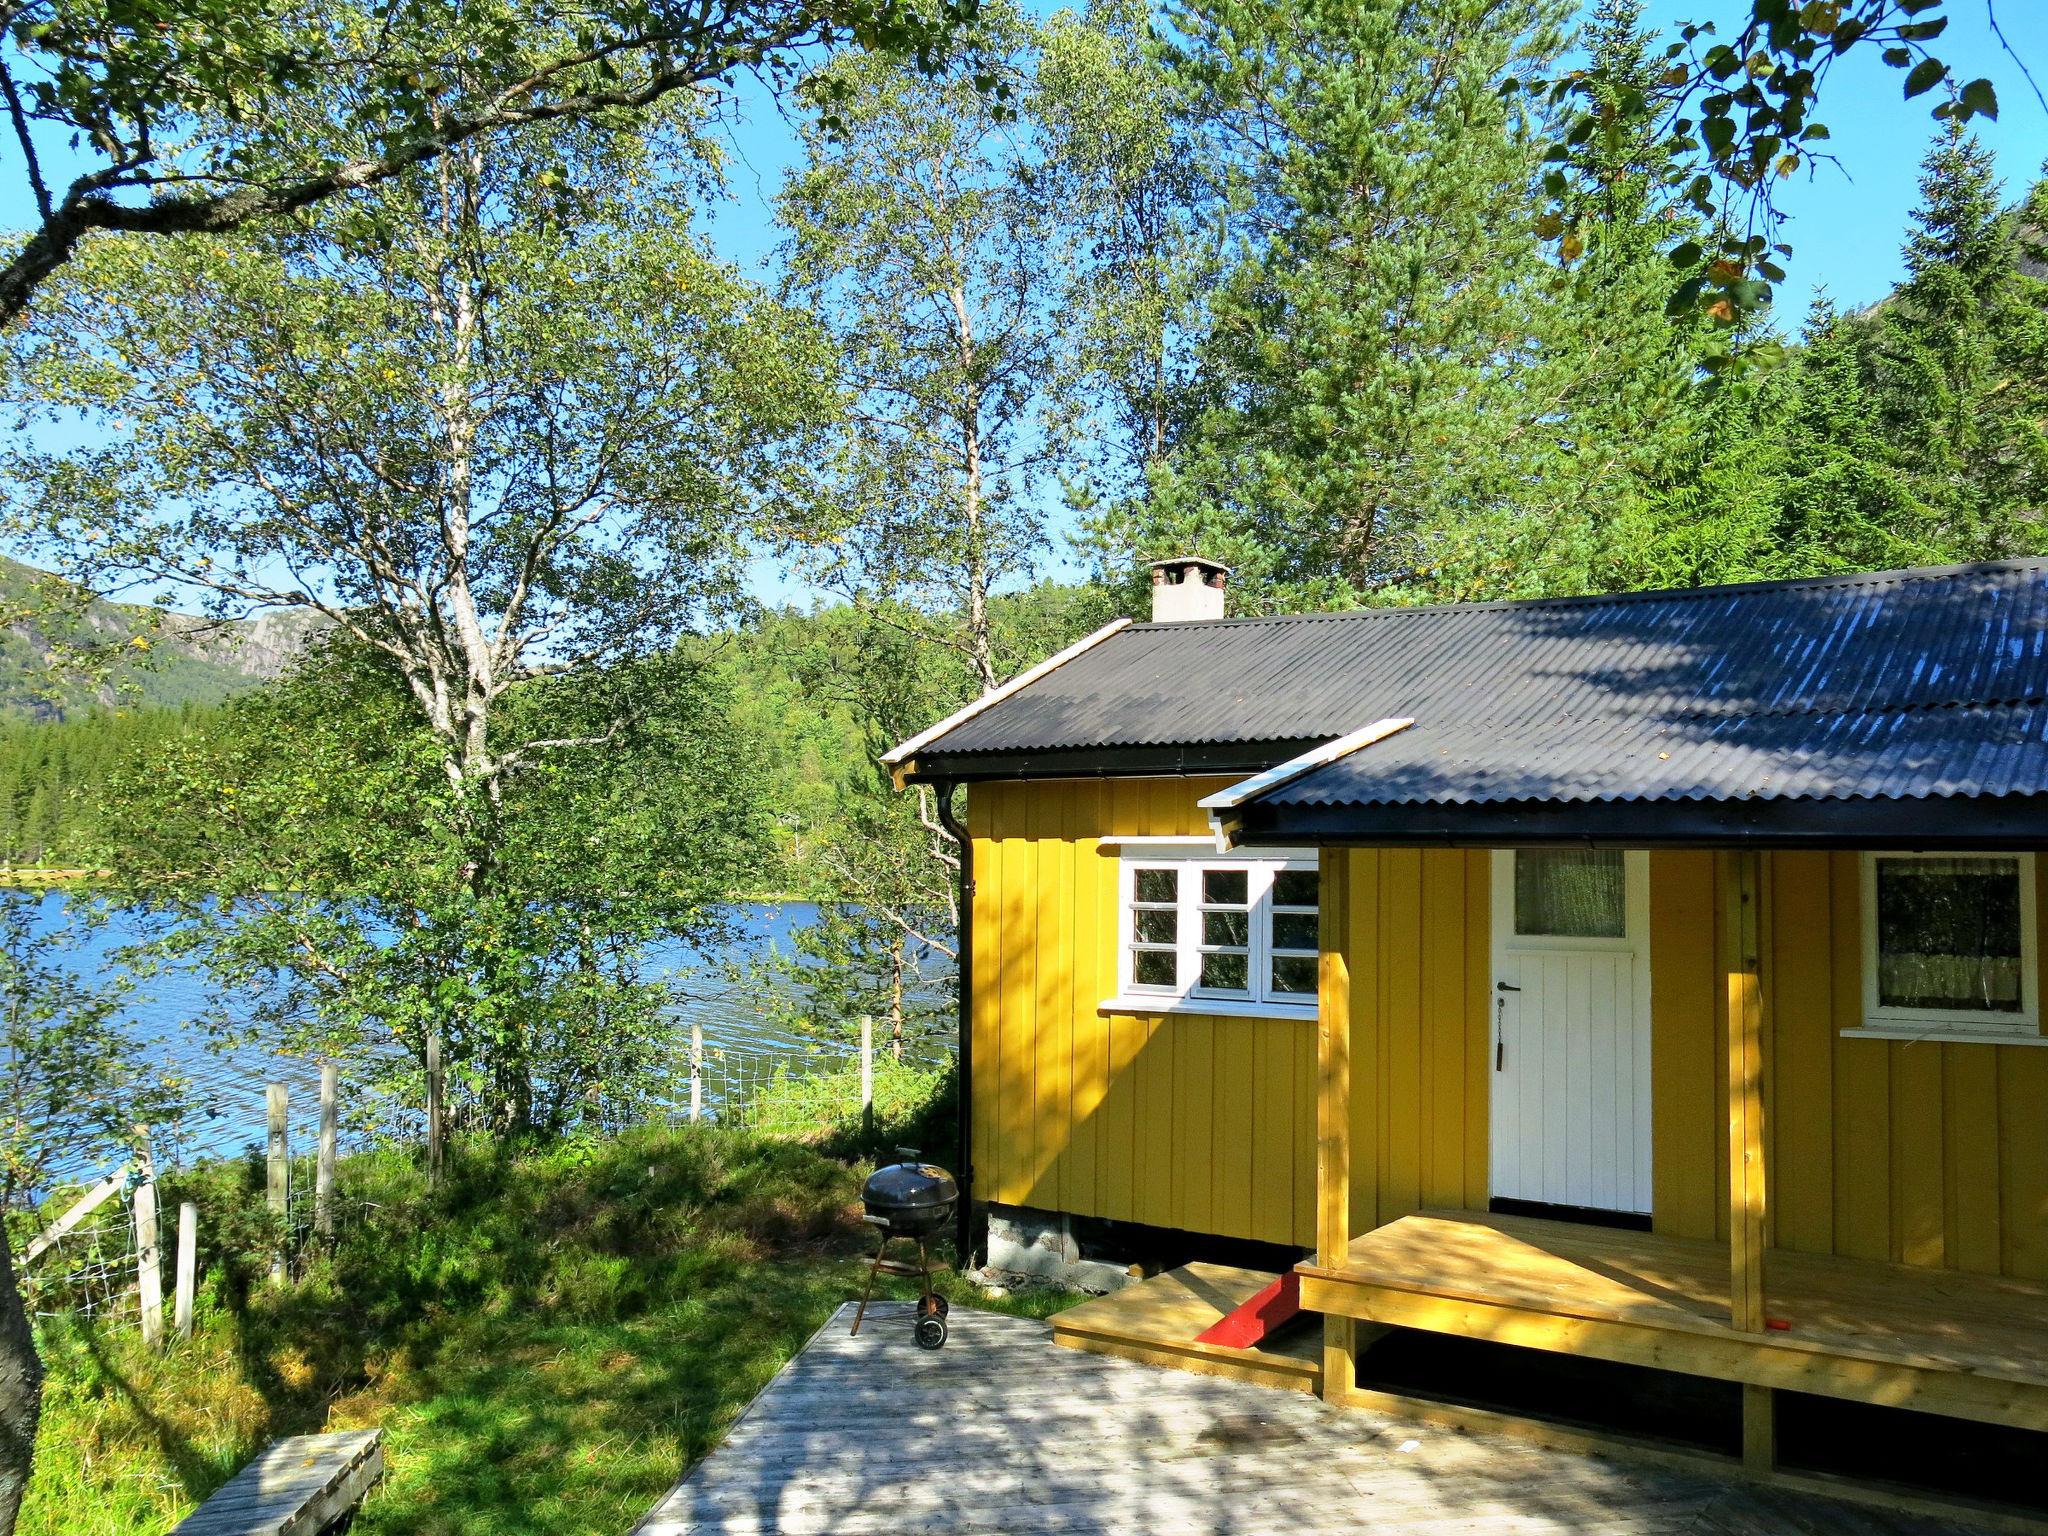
[[60, 655], [55, 776]]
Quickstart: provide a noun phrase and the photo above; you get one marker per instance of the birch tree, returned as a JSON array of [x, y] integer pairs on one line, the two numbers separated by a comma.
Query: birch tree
[[508, 421], [918, 228], [166, 117], [510, 431]]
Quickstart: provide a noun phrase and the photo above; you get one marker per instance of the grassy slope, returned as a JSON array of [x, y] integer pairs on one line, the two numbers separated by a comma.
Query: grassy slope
[[547, 1342]]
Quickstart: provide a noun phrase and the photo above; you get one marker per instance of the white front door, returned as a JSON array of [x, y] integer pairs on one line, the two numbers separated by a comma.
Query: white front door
[[1571, 1028]]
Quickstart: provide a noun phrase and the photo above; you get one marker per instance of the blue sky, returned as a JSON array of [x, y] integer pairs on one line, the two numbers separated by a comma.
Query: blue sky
[[1847, 221]]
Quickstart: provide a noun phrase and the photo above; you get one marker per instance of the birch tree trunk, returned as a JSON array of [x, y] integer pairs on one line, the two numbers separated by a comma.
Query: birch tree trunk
[[21, 1390]]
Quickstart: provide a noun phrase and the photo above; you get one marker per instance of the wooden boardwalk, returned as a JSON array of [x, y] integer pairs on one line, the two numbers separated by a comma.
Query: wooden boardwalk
[[297, 1487], [1000, 1431]]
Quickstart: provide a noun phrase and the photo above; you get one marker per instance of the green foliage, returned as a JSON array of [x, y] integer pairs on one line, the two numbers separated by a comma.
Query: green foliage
[[826, 693], [1959, 358], [1361, 347], [1122, 164], [1748, 107], [55, 777], [828, 1103], [310, 852], [919, 232], [203, 115]]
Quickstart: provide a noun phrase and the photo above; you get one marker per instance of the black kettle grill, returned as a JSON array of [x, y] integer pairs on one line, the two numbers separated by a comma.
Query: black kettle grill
[[909, 1200]]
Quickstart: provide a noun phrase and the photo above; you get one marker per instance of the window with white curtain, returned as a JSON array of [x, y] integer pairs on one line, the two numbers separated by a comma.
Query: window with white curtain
[[1948, 943]]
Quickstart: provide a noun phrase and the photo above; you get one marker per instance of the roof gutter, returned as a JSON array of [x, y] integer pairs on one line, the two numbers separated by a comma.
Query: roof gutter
[[1225, 803], [900, 759]]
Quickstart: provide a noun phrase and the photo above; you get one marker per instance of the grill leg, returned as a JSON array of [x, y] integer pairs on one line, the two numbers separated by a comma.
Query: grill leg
[[869, 1289]]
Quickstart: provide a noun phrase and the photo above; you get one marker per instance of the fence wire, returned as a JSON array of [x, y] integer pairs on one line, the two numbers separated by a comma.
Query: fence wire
[[92, 1271]]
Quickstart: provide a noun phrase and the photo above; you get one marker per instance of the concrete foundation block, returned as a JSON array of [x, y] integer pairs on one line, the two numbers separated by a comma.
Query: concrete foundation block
[[1024, 1244]]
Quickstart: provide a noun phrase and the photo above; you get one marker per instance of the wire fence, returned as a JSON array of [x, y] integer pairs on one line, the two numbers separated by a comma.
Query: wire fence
[[90, 1272], [92, 1266]]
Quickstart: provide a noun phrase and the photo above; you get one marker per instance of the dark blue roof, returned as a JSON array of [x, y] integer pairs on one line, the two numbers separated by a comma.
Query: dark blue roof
[[1900, 684]]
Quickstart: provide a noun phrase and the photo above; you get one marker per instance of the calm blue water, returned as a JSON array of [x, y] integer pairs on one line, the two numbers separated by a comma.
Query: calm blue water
[[741, 1036]]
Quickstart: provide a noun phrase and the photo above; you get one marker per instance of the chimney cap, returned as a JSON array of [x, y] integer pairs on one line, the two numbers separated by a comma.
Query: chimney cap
[[1213, 572]]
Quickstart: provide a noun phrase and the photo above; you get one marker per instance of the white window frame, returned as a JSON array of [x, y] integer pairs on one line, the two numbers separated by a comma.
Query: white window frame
[[1192, 859], [1883, 1022]]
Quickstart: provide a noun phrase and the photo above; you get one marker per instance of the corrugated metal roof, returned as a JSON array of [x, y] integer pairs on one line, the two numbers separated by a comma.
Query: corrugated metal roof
[[1897, 684]]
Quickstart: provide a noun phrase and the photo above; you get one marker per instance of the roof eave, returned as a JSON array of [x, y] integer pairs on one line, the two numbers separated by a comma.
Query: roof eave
[[1955, 822]]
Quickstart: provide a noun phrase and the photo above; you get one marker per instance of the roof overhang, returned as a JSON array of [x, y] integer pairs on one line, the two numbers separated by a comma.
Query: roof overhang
[[901, 759], [1166, 761], [1990, 823]]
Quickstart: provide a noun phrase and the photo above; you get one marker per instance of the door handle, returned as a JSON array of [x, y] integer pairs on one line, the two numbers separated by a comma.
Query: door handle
[[1502, 986]]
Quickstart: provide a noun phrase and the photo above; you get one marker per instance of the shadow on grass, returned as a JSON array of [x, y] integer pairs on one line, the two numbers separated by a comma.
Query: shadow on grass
[[549, 1340]]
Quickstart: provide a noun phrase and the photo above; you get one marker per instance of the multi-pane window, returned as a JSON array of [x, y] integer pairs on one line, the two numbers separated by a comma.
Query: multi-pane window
[[1949, 941], [1240, 930]]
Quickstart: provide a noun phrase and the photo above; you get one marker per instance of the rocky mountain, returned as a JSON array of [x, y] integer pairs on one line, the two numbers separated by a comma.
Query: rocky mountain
[[146, 657]]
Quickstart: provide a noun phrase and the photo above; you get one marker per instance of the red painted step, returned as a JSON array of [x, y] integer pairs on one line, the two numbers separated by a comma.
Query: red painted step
[[1250, 1323]]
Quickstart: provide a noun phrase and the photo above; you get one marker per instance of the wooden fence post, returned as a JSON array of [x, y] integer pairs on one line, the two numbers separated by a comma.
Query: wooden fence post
[[434, 1126], [148, 1250], [188, 1268], [867, 1072], [323, 1167], [278, 1187], [696, 1070]]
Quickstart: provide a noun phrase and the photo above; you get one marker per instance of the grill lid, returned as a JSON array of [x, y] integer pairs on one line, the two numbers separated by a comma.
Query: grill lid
[[909, 1185]]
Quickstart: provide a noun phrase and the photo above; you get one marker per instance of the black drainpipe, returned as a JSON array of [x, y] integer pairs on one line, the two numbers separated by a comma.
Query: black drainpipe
[[963, 972]]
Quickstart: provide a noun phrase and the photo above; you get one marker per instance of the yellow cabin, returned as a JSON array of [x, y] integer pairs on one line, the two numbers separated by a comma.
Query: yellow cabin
[[1652, 978]]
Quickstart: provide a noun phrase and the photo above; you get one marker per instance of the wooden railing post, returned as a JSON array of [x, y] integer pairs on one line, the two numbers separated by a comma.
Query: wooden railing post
[[278, 1186], [323, 1167], [867, 1073], [1742, 925], [149, 1278], [1333, 1117], [188, 1269], [434, 1109]]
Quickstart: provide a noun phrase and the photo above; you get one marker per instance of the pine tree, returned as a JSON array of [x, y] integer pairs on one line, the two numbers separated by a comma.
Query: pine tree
[[1843, 503], [1610, 406], [1361, 351], [1960, 362]]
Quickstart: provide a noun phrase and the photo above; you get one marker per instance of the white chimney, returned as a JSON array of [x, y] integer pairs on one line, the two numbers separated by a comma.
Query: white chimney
[[1187, 587]]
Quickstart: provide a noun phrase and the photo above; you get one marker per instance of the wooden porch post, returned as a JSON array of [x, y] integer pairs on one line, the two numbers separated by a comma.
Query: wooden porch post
[[1333, 1115], [1742, 928]]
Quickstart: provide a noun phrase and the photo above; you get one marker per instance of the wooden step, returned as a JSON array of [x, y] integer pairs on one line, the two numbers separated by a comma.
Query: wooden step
[[295, 1488], [1159, 1321]]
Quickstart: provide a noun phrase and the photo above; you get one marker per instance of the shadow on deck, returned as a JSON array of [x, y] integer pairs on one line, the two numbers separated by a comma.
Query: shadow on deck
[[1002, 1432]]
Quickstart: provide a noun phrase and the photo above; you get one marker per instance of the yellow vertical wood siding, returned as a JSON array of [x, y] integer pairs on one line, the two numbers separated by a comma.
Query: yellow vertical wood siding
[[1913, 1152], [1181, 1120], [1923, 1153], [1421, 1030]]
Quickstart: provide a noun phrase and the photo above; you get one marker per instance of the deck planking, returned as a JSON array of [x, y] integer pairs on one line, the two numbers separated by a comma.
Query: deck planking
[[1002, 1432], [296, 1487], [1938, 1320]]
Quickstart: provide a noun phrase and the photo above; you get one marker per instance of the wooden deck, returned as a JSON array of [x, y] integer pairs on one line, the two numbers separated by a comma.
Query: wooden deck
[[1156, 1321], [1002, 1432], [1971, 1346], [297, 1487]]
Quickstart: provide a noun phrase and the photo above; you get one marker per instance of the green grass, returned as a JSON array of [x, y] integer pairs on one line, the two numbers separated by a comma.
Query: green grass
[[548, 1340], [797, 1103]]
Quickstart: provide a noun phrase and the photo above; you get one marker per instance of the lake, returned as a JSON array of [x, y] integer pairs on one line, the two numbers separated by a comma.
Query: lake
[[743, 1042]]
